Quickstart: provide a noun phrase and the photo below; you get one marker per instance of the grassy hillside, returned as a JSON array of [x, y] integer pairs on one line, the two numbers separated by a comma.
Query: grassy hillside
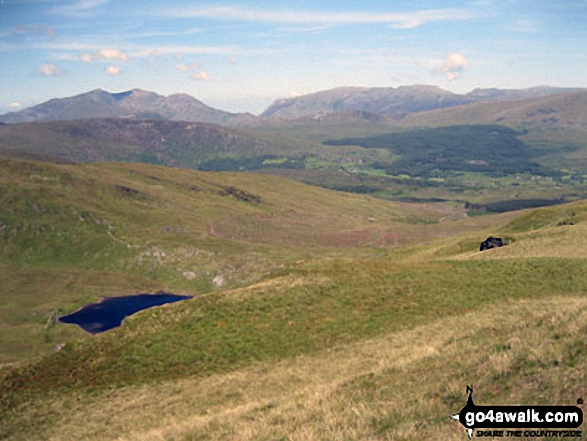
[[563, 110], [170, 143], [380, 388], [159, 142], [337, 342], [555, 124], [71, 234]]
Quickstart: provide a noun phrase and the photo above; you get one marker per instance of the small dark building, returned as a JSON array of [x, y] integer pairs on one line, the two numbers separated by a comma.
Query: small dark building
[[491, 242]]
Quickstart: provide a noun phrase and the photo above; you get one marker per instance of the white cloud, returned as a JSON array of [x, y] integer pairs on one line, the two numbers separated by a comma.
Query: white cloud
[[112, 54], [50, 70], [80, 8], [104, 54], [15, 104], [180, 51], [454, 64], [113, 70], [95, 51], [186, 68], [201, 76], [403, 20], [185, 32]]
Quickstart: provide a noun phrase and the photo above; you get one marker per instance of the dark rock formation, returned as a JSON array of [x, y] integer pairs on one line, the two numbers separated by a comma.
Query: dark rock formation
[[491, 242]]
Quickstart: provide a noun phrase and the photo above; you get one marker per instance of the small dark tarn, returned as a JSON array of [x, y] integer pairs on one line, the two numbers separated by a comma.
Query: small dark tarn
[[491, 242], [110, 312]]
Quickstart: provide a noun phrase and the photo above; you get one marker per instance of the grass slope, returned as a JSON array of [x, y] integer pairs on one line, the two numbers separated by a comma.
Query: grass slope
[[324, 348], [366, 396], [564, 110], [70, 234]]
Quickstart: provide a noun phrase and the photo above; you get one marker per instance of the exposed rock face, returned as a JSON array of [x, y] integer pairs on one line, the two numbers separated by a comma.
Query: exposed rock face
[[491, 242]]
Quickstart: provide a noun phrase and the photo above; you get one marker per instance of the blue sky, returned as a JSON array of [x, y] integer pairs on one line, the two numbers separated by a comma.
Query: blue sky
[[240, 56]]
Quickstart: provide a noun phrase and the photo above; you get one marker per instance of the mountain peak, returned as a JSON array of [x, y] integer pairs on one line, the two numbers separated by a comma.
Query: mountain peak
[[142, 93], [134, 103]]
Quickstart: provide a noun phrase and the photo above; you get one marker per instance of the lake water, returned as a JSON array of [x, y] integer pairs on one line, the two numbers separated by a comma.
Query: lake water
[[109, 313]]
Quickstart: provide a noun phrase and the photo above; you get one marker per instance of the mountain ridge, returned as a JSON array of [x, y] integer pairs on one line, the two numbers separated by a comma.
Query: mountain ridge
[[396, 102], [134, 103]]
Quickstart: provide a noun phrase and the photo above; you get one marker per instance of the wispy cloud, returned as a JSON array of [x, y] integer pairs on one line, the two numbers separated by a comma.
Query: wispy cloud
[[14, 104], [318, 29], [80, 8], [404, 20], [179, 51], [188, 67], [95, 50], [42, 29], [150, 34], [50, 70]]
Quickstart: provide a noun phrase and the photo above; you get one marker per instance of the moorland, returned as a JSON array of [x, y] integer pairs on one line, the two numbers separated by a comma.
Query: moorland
[[333, 259]]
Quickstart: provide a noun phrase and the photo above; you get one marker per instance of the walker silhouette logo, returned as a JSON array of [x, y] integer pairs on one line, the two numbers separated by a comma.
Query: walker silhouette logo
[[519, 418]]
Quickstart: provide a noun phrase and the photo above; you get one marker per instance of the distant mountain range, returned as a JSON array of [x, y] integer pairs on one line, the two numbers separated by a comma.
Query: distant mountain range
[[397, 102], [423, 132], [135, 104], [140, 104]]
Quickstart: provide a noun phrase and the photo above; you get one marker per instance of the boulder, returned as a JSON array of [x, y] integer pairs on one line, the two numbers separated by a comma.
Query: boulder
[[491, 242]]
